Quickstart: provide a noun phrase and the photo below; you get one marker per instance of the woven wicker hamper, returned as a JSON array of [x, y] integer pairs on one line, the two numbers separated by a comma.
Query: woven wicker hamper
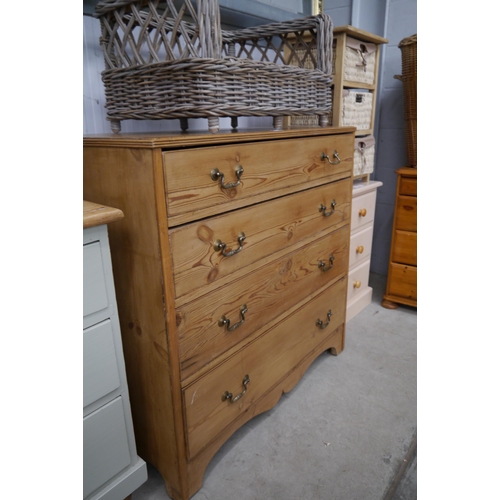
[[359, 61], [408, 48], [163, 61], [364, 155]]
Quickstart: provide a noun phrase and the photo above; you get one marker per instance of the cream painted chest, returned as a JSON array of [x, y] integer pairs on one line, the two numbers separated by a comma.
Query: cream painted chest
[[111, 468], [231, 271]]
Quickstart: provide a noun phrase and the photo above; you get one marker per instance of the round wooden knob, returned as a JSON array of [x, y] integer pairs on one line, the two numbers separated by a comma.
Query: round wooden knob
[[362, 212], [360, 249], [357, 284]]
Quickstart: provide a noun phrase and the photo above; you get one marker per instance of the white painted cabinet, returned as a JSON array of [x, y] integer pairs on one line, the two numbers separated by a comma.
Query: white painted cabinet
[[111, 468], [359, 294]]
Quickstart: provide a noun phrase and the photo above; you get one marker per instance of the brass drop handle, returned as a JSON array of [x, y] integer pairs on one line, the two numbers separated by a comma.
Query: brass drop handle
[[335, 155], [223, 321], [360, 249], [362, 212], [357, 284], [322, 265], [216, 174], [219, 245], [322, 208], [324, 325], [228, 395]]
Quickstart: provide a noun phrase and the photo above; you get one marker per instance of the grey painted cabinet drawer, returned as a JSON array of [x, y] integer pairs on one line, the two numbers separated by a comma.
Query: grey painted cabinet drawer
[[94, 285], [100, 369], [105, 445]]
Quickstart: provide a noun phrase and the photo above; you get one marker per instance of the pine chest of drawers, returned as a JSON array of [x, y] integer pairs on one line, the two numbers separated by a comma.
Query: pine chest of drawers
[[231, 276]]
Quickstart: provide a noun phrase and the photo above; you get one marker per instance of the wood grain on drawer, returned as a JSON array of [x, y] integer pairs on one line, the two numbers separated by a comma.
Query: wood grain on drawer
[[406, 213], [404, 250], [94, 285], [403, 282], [363, 209], [267, 292], [408, 186], [361, 246], [266, 361], [100, 368], [105, 445], [270, 169], [268, 227], [358, 279]]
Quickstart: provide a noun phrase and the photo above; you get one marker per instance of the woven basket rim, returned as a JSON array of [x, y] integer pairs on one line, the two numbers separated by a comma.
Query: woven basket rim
[[408, 41]]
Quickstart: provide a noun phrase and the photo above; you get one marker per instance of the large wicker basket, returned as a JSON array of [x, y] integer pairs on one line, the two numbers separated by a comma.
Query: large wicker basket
[[408, 48], [163, 61]]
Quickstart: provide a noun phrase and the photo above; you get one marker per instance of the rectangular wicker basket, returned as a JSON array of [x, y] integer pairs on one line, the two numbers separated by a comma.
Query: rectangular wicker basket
[[359, 61], [364, 155]]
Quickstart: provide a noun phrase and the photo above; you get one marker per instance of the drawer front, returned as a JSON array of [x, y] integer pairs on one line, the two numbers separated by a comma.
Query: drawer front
[[267, 166], [403, 282], [358, 280], [406, 213], [268, 227], [266, 293], [94, 285], [361, 246], [404, 248], [363, 209], [266, 361], [100, 368], [105, 445], [408, 186]]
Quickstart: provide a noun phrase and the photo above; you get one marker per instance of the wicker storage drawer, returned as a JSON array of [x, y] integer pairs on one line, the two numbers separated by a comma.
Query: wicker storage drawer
[[357, 109], [193, 190], [267, 228], [364, 155], [263, 362], [359, 61], [256, 300]]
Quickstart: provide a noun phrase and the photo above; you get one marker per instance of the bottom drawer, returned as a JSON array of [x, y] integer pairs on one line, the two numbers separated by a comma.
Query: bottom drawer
[[358, 280], [105, 445], [264, 362], [403, 281]]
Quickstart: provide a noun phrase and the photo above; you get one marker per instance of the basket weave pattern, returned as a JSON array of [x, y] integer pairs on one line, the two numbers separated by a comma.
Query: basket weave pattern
[[163, 62], [359, 66], [357, 110], [408, 48], [364, 158]]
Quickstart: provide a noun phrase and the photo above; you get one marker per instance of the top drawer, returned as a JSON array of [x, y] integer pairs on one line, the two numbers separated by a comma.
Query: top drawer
[[257, 171], [408, 186], [363, 209], [94, 285]]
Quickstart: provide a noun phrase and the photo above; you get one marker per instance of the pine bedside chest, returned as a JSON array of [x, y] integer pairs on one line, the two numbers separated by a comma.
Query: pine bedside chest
[[231, 270]]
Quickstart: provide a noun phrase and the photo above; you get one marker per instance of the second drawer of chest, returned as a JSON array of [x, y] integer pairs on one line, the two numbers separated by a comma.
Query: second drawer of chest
[[361, 246], [257, 299], [267, 228], [259, 366]]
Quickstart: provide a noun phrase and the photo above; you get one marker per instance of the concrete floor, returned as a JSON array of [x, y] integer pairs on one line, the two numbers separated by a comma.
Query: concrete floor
[[343, 433]]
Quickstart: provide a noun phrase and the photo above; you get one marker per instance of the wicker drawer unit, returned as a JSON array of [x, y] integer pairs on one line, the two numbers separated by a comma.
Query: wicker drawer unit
[[229, 282], [402, 274]]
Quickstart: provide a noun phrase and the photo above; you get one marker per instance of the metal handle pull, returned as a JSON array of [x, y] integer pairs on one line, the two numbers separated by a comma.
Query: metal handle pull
[[223, 321], [326, 157], [324, 325], [322, 265], [216, 174], [322, 208], [229, 395], [218, 246]]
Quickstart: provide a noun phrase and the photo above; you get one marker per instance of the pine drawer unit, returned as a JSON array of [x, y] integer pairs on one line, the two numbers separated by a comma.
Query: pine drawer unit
[[364, 198], [231, 271], [401, 285], [111, 468]]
